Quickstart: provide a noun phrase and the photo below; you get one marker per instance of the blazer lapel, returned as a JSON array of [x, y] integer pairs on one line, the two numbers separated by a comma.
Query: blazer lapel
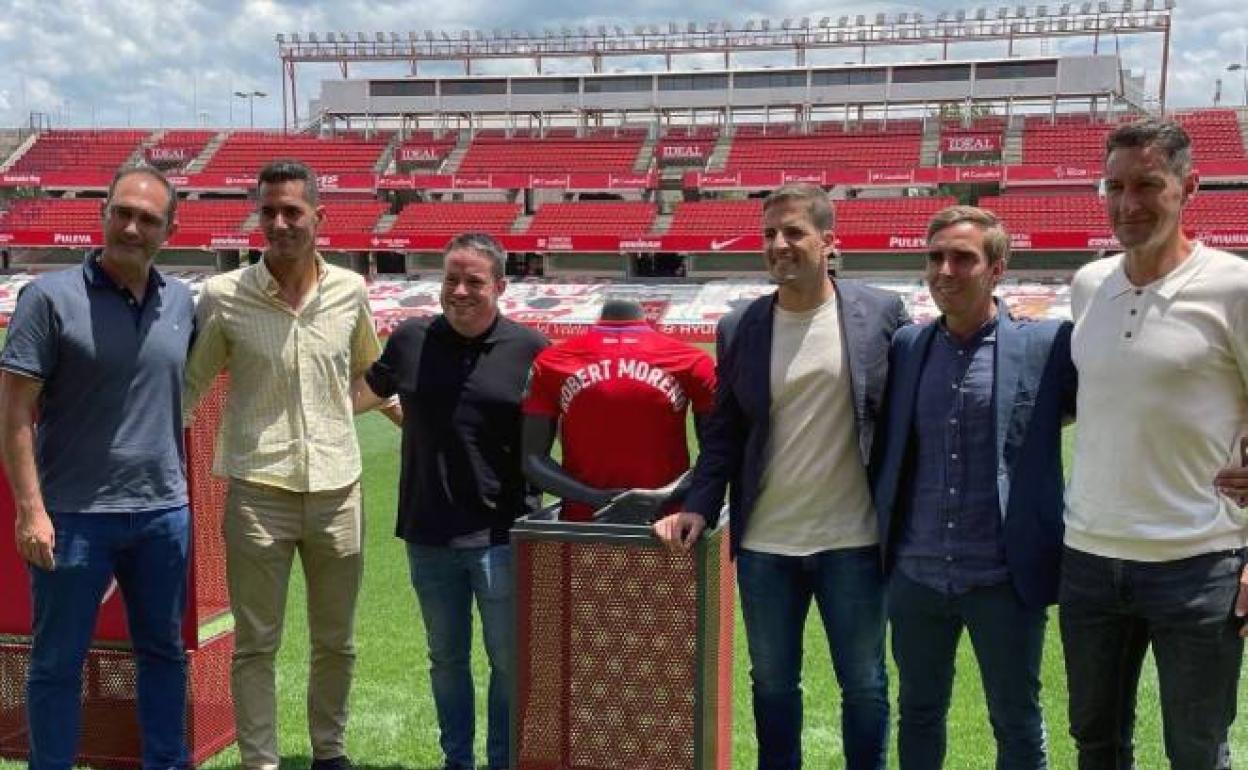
[[1011, 355], [853, 328], [756, 330], [907, 379]]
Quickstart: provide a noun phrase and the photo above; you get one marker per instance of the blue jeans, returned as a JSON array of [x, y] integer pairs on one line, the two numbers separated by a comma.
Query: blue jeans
[[1185, 606], [147, 553], [776, 592], [446, 580], [1008, 639]]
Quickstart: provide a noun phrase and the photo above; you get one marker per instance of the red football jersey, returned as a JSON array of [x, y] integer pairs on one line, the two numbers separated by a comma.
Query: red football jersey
[[620, 392]]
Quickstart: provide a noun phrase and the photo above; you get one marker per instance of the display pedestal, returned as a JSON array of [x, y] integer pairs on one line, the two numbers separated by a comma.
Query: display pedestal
[[110, 731], [623, 650]]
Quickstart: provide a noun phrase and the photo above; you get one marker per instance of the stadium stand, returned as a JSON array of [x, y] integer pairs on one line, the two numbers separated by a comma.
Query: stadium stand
[[214, 215], [244, 152], [900, 216], [352, 216], [593, 218], [1080, 139], [1217, 210], [828, 145], [607, 150], [897, 216], [78, 151], [1059, 213], [1215, 134], [1064, 139], [62, 214], [716, 217], [491, 217]]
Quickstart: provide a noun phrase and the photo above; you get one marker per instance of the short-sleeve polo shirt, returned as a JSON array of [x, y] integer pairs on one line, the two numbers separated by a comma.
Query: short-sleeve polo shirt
[[109, 434], [461, 462], [1163, 400]]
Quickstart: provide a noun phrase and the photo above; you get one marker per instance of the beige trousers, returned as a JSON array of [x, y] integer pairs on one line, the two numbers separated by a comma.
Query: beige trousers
[[264, 527]]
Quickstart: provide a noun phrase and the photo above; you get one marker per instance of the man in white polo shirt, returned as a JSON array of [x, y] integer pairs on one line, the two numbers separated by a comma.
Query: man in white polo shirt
[[1161, 346]]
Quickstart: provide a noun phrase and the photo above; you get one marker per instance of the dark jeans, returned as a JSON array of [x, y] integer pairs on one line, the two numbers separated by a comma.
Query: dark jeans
[[776, 592], [446, 581], [1008, 640], [147, 554], [1185, 607]]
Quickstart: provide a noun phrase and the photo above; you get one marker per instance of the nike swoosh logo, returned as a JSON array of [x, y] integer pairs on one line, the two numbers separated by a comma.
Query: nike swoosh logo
[[717, 245]]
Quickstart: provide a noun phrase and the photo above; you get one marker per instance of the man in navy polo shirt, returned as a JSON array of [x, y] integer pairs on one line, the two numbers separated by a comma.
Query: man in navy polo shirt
[[91, 433]]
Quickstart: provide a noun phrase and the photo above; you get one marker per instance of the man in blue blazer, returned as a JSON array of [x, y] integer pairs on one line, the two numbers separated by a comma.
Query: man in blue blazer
[[967, 481], [801, 376]]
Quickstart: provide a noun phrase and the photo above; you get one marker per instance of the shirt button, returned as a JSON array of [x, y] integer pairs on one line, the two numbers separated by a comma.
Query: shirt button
[[953, 420], [1134, 311], [949, 525], [955, 386], [953, 456], [953, 490], [1138, 292], [1128, 335], [948, 558]]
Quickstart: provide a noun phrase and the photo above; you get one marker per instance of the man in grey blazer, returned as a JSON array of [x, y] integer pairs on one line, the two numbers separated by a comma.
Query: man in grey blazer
[[801, 377]]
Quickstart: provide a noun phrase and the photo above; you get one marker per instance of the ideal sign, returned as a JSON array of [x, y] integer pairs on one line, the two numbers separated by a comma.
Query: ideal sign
[[970, 143], [682, 151], [168, 154], [421, 154]]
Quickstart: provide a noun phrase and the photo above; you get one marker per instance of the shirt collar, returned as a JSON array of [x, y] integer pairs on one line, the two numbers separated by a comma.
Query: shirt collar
[[1166, 286], [496, 331], [984, 332], [96, 275], [634, 324], [269, 285]]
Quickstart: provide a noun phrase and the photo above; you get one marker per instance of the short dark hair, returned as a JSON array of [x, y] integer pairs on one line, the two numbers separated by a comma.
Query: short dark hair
[[996, 239], [815, 198], [290, 170], [1166, 135], [171, 209], [484, 245]]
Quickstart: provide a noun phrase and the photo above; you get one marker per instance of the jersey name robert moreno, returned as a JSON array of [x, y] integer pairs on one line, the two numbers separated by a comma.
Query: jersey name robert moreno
[[620, 392]]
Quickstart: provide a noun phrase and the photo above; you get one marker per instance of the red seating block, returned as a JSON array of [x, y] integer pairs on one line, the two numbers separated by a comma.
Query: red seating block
[[101, 151], [495, 218], [594, 218]]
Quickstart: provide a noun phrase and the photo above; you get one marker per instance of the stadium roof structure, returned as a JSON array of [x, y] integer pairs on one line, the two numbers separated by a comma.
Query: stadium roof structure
[[858, 32], [804, 96]]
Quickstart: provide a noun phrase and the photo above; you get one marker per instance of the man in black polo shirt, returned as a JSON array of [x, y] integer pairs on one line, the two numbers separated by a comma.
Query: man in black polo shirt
[[460, 377]]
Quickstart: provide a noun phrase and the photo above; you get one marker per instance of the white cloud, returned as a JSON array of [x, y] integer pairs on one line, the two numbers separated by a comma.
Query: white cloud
[[152, 62]]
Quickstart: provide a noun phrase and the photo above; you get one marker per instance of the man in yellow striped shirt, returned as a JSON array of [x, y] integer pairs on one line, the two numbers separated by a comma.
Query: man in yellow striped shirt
[[293, 332]]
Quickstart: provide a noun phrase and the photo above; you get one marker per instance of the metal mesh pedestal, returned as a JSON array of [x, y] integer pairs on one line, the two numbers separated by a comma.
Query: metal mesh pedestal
[[110, 730], [623, 650]]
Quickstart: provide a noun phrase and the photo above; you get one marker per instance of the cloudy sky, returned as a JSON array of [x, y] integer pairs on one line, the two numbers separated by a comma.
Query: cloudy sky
[[175, 62]]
